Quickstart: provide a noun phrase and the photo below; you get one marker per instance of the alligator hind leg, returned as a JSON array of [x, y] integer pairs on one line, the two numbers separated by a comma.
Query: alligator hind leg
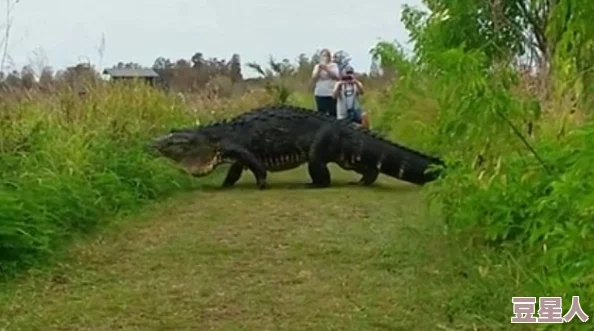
[[319, 173], [320, 152], [233, 174], [369, 176]]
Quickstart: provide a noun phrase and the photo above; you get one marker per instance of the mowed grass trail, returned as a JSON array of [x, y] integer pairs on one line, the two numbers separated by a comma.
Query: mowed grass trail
[[288, 258]]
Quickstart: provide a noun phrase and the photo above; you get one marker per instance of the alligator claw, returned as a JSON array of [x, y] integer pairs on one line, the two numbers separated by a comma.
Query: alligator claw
[[262, 185]]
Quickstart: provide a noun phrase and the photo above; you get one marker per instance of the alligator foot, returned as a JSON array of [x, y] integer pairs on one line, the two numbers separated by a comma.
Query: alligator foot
[[320, 175], [361, 182], [358, 183], [262, 185], [227, 185], [233, 175], [369, 176], [314, 186]]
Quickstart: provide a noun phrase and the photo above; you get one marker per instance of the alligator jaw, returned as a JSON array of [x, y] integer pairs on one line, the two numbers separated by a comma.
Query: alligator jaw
[[203, 169]]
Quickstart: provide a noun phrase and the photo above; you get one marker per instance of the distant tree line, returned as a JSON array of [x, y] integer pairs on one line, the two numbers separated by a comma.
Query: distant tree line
[[192, 74]]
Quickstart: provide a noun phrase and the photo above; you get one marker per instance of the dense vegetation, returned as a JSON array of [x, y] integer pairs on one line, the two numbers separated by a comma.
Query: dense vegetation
[[68, 162], [504, 96]]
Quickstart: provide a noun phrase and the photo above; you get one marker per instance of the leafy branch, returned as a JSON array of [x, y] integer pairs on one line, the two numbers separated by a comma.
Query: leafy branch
[[275, 76]]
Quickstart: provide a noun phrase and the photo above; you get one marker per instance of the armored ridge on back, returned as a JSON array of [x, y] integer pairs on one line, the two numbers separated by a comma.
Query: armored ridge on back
[[279, 138]]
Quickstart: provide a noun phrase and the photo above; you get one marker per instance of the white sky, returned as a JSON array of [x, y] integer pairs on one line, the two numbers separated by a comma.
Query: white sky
[[66, 32]]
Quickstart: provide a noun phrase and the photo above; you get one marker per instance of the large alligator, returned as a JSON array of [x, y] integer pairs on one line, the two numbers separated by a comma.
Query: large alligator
[[279, 138]]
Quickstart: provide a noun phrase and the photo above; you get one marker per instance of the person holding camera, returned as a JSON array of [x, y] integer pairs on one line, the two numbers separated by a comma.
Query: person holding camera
[[325, 75], [347, 91]]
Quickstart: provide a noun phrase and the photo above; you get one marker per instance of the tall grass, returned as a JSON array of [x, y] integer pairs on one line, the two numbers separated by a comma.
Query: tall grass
[[71, 161]]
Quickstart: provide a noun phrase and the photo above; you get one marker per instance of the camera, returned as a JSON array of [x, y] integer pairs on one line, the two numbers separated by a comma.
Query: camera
[[347, 77]]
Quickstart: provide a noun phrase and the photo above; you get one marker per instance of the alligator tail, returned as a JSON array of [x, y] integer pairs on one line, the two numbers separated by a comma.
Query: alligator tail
[[409, 165], [401, 162]]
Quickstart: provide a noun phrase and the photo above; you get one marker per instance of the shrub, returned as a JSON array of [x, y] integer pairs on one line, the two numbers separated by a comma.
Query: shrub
[[70, 161], [525, 194]]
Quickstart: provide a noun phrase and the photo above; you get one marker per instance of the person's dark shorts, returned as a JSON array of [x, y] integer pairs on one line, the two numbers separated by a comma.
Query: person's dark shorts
[[355, 115], [326, 105]]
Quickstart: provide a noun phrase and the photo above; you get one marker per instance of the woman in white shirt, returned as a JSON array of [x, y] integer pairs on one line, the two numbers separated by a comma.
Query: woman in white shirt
[[325, 75]]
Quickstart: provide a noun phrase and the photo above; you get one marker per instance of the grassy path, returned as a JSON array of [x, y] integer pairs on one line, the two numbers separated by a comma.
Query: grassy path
[[344, 258]]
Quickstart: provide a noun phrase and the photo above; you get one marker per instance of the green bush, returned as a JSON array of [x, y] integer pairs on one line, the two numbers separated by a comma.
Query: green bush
[[527, 197], [70, 162]]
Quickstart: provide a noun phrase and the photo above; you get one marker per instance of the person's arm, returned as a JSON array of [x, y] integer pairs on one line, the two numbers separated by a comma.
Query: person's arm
[[336, 89], [359, 87], [316, 72]]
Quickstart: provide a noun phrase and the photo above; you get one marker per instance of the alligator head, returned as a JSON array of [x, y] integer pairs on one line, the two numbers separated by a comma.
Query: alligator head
[[193, 150]]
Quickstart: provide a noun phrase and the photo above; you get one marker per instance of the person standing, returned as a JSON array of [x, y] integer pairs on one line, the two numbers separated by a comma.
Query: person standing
[[347, 91], [325, 75]]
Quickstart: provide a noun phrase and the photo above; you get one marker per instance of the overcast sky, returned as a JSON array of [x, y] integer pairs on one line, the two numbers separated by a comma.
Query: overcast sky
[[65, 32]]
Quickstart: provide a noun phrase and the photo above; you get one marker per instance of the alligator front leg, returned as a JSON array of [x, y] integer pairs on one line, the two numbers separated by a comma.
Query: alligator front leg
[[247, 159], [233, 174]]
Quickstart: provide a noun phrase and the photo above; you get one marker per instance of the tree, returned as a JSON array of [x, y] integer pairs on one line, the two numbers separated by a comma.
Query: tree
[[375, 69], [342, 59], [78, 75], [182, 64], [28, 77], [13, 79], [275, 76], [197, 61], [304, 67], [552, 36], [46, 77], [282, 68], [162, 63], [235, 69], [502, 29]]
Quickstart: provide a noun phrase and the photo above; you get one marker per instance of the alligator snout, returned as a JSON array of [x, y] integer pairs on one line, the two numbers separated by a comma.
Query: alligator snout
[[154, 146]]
